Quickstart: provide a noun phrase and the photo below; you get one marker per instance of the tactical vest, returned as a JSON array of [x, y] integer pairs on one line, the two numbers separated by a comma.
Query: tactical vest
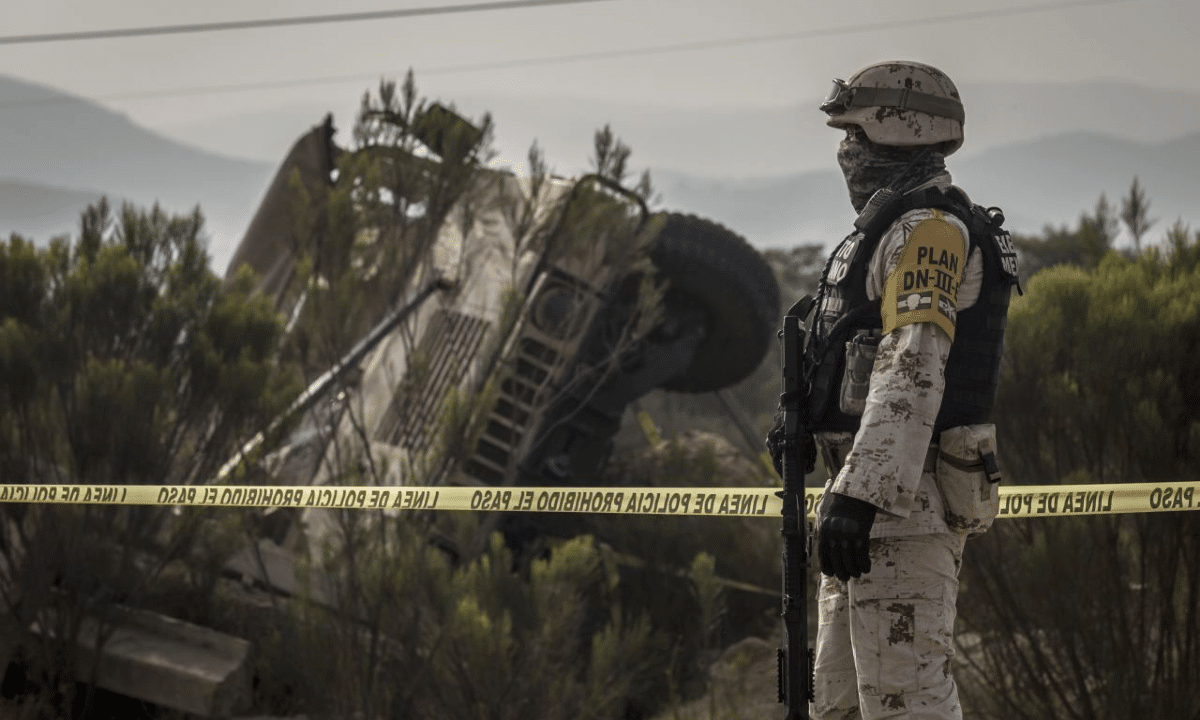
[[843, 311]]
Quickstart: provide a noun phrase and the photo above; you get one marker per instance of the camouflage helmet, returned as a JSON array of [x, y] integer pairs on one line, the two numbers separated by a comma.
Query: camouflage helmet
[[899, 103]]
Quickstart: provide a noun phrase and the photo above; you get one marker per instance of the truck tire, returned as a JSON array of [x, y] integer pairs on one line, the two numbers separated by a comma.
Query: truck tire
[[713, 267]]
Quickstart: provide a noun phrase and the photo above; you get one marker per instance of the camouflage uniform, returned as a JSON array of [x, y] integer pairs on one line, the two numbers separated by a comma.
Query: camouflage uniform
[[884, 642], [898, 511]]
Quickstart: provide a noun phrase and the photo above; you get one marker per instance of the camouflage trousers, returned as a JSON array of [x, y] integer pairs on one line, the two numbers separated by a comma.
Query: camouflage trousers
[[885, 640]]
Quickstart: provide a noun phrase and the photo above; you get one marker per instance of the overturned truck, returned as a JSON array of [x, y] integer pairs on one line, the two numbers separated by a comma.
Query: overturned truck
[[508, 330]]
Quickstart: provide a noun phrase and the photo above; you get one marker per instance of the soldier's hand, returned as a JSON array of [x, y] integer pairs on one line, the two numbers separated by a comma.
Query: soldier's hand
[[775, 443], [844, 538]]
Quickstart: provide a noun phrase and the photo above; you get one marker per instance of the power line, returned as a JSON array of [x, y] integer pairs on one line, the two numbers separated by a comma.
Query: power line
[[776, 37], [582, 57], [278, 22]]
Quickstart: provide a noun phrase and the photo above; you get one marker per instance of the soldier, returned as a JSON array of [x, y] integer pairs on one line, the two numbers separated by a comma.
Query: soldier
[[903, 360]]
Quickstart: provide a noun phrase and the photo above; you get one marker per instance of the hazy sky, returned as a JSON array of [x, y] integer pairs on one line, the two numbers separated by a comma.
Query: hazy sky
[[1150, 42]]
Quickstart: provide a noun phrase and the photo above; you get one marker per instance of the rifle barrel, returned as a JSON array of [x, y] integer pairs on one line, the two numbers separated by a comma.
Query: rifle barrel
[[795, 673]]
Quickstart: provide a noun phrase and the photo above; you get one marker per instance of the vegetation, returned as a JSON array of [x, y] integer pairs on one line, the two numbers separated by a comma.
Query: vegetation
[[420, 616], [121, 361], [1095, 617], [370, 234], [409, 633]]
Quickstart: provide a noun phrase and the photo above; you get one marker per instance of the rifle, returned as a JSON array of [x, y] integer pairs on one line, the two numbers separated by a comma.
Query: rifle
[[795, 660]]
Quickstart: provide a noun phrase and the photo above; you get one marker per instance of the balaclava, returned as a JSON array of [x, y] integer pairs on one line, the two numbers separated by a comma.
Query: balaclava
[[868, 166]]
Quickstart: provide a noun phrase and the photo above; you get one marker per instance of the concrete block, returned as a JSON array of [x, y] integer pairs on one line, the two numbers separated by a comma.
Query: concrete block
[[170, 663]]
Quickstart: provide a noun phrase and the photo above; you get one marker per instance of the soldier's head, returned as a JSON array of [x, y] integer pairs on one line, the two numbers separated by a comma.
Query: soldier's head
[[892, 112]]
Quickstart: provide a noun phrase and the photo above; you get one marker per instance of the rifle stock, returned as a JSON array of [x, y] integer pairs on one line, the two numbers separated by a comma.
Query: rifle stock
[[794, 658]]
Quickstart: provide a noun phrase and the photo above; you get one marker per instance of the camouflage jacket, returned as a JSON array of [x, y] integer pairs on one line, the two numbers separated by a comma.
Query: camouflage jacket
[[885, 465]]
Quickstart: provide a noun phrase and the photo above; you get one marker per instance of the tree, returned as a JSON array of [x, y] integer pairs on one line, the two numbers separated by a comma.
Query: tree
[[1097, 232], [1134, 209], [610, 158], [122, 360], [1099, 384], [1083, 246], [414, 169]]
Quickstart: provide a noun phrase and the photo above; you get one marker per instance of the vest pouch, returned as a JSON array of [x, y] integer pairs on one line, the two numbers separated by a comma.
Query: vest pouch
[[856, 375], [968, 477]]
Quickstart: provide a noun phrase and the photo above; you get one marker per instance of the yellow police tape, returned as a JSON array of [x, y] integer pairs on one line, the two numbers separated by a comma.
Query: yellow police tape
[[1016, 501]]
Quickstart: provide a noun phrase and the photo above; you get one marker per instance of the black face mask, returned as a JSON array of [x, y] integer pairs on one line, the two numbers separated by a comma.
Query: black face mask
[[868, 166]]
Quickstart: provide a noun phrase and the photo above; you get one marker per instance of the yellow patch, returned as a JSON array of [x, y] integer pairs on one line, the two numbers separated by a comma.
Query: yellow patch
[[924, 285]]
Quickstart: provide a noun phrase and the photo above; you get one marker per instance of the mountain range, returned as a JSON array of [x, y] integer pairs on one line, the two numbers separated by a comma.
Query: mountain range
[[1044, 153], [57, 153], [1049, 181], [789, 137]]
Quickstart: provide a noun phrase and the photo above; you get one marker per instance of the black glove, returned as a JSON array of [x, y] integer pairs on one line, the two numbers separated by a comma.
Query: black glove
[[845, 537]]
